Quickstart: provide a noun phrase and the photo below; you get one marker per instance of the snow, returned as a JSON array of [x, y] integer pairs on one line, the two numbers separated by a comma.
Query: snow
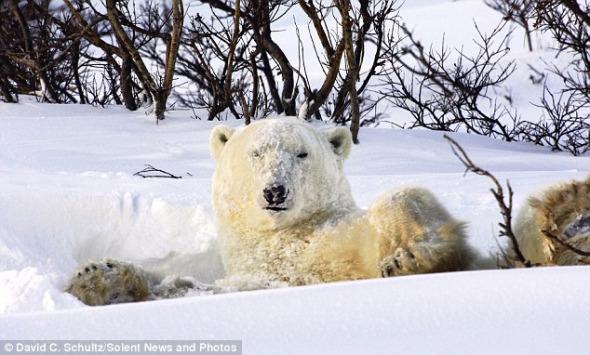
[[68, 194], [484, 312]]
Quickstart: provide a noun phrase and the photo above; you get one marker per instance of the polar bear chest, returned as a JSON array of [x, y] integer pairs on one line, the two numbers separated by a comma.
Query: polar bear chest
[[345, 251], [279, 257]]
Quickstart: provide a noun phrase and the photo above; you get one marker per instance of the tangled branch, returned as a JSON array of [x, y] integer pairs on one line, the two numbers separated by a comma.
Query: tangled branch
[[504, 202]]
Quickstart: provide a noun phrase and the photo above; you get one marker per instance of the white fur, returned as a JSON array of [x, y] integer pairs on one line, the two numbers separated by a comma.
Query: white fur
[[322, 235], [315, 234], [562, 210]]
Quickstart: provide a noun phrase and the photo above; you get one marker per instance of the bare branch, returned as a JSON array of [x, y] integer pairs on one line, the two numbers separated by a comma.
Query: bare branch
[[504, 202], [567, 245], [151, 172]]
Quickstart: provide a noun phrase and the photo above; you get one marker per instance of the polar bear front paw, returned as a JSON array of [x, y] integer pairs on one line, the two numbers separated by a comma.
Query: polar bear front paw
[[401, 262], [108, 281]]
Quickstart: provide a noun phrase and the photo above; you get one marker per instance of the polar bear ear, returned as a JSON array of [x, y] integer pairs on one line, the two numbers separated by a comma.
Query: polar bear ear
[[340, 140], [218, 138]]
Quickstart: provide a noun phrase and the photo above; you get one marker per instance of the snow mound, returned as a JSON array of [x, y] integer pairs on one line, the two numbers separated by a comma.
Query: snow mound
[[535, 311], [69, 195]]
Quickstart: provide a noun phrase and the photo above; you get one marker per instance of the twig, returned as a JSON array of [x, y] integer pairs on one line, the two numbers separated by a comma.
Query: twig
[[150, 169], [245, 110], [498, 192], [553, 237]]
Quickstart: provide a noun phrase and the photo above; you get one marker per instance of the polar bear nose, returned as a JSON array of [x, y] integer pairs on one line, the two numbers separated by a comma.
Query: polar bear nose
[[275, 194]]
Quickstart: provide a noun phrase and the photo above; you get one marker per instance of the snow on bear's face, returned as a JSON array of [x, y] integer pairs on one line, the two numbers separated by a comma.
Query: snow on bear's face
[[277, 173]]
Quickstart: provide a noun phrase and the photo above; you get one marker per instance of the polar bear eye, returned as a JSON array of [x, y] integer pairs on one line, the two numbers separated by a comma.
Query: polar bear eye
[[255, 154], [302, 155]]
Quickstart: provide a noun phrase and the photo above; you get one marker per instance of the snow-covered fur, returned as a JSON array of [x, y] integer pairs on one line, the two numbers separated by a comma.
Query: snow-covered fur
[[284, 210], [564, 211], [286, 216], [108, 281]]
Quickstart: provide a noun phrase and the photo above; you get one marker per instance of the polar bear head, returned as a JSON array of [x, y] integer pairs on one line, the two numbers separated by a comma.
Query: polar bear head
[[278, 173]]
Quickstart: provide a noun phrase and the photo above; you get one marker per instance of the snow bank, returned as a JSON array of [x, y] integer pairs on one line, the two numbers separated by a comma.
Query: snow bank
[[68, 194], [540, 311]]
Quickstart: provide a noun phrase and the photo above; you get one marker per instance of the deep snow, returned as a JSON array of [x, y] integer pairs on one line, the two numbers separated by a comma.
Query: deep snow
[[542, 311], [68, 194]]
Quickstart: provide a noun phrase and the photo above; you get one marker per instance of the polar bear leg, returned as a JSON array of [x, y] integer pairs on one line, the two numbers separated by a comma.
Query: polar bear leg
[[110, 281], [564, 211], [415, 234]]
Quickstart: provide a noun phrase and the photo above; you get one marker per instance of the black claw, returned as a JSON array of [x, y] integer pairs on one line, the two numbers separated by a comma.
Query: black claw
[[387, 271]]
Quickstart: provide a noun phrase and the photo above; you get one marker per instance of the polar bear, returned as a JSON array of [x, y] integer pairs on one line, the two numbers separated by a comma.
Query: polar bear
[[563, 210], [285, 213]]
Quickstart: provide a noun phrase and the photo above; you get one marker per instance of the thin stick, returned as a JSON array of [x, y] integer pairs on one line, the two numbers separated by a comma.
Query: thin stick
[[498, 192], [150, 169], [552, 236]]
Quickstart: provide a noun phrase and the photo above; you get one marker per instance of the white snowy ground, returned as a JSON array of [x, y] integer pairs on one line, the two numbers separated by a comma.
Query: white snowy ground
[[68, 194]]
